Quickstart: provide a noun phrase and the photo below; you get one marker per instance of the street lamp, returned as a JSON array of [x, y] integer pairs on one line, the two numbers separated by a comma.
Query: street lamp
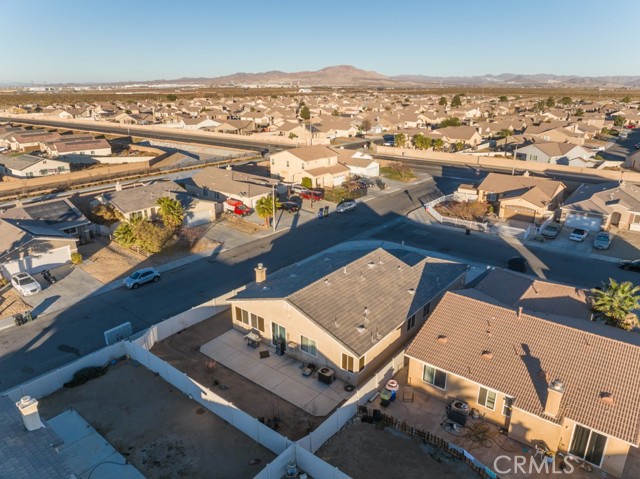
[[273, 199]]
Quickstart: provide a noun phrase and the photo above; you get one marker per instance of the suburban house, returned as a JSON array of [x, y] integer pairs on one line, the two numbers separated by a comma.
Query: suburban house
[[603, 205], [320, 163], [32, 246], [466, 134], [29, 166], [346, 309], [31, 138], [522, 353], [552, 152], [218, 184], [78, 145], [522, 198], [142, 202], [360, 163]]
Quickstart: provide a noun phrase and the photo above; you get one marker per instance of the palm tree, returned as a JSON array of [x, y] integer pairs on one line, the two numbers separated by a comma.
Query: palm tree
[[505, 133], [264, 208], [617, 303], [171, 211]]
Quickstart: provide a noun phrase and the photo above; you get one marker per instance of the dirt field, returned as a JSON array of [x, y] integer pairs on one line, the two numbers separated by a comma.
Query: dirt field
[[157, 428], [365, 451], [182, 350], [11, 302]]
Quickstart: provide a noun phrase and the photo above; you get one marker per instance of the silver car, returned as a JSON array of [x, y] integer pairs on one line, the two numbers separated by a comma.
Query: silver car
[[25, 284], [142, 276], [346, 206], [603, 240]]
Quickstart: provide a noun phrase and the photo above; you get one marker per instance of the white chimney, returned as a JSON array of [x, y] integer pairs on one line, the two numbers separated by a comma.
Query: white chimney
[[28, 407], [261, 273], [118, 186], [555, 390]]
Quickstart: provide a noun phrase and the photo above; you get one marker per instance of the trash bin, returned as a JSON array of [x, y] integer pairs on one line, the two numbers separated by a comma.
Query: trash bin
[[320, 212], [392, 387], [326, 211]]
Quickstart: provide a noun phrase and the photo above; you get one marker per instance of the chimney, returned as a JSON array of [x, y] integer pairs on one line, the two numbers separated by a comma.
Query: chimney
[[118, 186], [554, 397], [28, 407], [261, 273], [519, 311]]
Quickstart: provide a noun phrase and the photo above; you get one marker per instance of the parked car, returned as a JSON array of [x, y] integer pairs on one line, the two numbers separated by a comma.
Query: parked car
[[298, 188], [517, 263], [345, 206], [237, 207], [140, 277], [603, 240], [290, 206], [633, 265], [578, 234], [25, 284], [312, 195], [637, 146], [551, 231]]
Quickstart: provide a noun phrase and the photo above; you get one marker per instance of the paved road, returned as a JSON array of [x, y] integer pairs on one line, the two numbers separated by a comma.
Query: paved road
[[623, 148], [54, 340]]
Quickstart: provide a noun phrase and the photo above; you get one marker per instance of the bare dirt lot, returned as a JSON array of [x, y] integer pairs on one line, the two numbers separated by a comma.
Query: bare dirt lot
[[158, 429], [365, 451], [11, 302], [182, 350]]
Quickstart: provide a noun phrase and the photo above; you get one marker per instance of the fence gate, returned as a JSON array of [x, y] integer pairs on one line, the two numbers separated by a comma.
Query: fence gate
[[118, 333]]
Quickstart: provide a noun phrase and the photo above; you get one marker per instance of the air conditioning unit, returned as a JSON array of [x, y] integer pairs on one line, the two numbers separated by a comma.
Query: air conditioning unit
[[326, 375]]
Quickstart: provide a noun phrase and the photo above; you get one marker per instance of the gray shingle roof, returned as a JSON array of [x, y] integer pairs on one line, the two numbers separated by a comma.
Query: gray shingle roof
[[142, 197], [334, 288], [601, 198]]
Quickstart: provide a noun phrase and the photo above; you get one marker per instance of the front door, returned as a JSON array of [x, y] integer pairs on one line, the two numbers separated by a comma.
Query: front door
[[277, 332]]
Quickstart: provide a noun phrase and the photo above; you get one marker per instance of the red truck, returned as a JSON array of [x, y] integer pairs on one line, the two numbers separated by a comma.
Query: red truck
[[237, 208], [312, 195]]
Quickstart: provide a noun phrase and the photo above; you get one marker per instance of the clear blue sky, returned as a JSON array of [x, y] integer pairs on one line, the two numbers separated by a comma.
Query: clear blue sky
[[113, 40]]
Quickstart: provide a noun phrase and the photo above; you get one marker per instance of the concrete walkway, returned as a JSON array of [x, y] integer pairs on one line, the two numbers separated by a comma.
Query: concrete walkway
[[282, 375]]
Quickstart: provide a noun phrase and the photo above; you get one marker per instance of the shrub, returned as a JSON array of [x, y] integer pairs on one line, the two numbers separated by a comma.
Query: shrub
[[84, 375], [76, 258], [306, 182]]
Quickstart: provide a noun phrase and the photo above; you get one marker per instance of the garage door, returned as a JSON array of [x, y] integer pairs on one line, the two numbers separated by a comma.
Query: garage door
[[38, 262], [196, 218], [519, 214], [589, 223]]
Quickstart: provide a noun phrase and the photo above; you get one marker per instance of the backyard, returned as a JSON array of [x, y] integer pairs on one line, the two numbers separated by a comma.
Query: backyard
[[470, 211]]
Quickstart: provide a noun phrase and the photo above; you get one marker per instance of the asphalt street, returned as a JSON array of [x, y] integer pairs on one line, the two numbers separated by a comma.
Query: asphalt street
[[54, 340]]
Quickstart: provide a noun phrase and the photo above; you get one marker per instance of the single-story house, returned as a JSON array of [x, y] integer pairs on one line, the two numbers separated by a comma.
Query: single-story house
[[320, 163], [552, 152], [29, 166], [522, 198], [360, 163], [345, 309], [85, 145], [466, 134], [514, 351], [30, 138], [602, 205]]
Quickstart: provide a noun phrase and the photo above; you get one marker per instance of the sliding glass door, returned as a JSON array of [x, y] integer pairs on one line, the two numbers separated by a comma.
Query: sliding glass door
[[588, 445]]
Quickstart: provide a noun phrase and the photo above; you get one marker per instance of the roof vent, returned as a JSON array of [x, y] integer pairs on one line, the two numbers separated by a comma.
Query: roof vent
[[361, 328], [557, 385], [442, 339], [399, 268], [293, 275], [411, 291], [371, 265], [327, 282], [606, 398], [488, 355], [265, 288], [362, 276], [344, 270]]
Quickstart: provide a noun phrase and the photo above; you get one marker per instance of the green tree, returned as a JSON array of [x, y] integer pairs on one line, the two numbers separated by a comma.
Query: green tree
[[335, 113], [365, 125], [579, 112], [438, 144], [305, 114], [616, 302], [459, 146], [452, 121], [551, 102], [503, 98], [106, 214], [505, 133], [399, 140], [565, 100], [124, 234], [456, 101], [421, 142], [540, 106], [151, 237], [443, 101], [171, 211], [292, 136], [626, 99], [264, 208], [306, 182], [619, 120], [172, 97]]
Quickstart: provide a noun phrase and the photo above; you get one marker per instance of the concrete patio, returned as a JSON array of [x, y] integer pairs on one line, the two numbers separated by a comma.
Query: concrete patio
[[282, 375]]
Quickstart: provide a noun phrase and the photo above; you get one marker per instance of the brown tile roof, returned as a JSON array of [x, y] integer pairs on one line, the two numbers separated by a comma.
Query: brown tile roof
[[310, 153], [539, 190], [528, 351]]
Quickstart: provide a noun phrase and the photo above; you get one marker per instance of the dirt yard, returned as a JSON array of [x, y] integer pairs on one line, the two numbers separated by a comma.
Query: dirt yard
[[182, 350], [11, 302], [364, 451], [106, 260], [158, 429]]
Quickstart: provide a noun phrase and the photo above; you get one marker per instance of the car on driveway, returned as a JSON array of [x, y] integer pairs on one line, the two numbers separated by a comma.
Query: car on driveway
[[346, 206], [25, 284], [140, 277], [517, 263], [578, 234], [603, 240], [312, 195], [633, 265], [290, 206], [551, 231]]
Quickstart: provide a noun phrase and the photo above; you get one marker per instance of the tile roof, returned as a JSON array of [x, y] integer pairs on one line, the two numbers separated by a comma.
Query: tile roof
[[310, 153], [146, 196], [538, 191], [232, 182], [333, 289], [528, 352], [600, 198], [21, 162]]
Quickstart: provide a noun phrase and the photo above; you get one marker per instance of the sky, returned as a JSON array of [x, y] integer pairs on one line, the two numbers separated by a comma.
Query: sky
[[47, 41]]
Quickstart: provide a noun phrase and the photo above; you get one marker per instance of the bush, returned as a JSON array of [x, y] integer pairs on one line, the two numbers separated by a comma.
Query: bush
[[306, 182], [85, 375], [76, 258]]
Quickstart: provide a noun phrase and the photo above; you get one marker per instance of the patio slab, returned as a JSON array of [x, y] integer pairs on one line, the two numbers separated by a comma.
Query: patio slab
[[282, 375]]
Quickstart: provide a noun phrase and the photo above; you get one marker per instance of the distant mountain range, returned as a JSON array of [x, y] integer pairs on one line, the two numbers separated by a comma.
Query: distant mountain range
[[346, 75]]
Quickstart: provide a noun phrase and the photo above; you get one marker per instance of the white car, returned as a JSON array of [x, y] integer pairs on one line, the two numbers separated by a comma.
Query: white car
[[578, 234], [346, 206], [140, 277], [25, 284]]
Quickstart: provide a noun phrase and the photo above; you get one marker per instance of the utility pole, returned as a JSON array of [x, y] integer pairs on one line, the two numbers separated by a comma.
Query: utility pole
[[515, 154], [273, 199]]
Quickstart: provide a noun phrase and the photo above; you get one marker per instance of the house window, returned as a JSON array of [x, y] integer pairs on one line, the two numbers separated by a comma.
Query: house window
[[347, 362], [588, 445], [533, 158], [309, 346], [487, 398], [361, 364], [257, 322], [435, 377], [242, 316], [507, 405], [426, 309], [411, 322], [636, 219], [287, 163], [302, 165], [273, 162], [492, 197], [205, 191]]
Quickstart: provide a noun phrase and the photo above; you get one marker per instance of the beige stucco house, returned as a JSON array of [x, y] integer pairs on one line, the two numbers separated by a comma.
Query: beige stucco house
[[349, 308], [320, 163], [526, 356]]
